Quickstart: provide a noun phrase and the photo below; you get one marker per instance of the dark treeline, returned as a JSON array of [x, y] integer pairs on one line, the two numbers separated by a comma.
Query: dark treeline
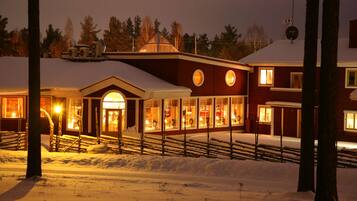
[[131, 34]]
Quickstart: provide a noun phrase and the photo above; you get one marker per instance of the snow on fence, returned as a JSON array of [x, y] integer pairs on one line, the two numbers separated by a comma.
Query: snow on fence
[[175, 146], [13, 140]]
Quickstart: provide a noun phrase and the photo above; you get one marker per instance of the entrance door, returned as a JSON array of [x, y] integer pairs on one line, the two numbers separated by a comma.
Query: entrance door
[[113, 121]]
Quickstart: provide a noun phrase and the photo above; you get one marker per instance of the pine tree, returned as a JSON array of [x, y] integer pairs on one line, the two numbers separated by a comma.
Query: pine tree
[[326, 188], [52, 36], [203, 44], [188, 43], [68, 33], [226, 45], [157, 26], [89, 31], [19, 42], [306, 168], [130, 27], [117, 37], [34, 135], [137, 26], [5, 43], [165, 33]]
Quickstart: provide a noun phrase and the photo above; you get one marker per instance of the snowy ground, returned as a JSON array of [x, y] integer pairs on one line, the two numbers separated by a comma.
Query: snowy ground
[[72, 176]]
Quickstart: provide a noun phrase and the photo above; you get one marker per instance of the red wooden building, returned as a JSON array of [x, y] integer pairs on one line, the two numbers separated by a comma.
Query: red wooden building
[[275, 87]]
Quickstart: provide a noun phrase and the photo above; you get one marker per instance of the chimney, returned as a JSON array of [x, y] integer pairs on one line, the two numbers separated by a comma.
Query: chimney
[[353, 34]]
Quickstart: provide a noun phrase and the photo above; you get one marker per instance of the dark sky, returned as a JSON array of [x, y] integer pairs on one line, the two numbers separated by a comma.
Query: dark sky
[[199, 16]]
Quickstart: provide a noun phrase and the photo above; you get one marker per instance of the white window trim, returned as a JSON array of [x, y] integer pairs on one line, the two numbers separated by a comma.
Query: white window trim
[[67, 113], [291, 78], [345, 121], [197, 111], [272, 79], [346, 78], [266, 106]]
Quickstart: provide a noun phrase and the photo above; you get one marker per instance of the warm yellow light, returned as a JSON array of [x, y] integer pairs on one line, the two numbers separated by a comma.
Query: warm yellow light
[[58, 109], [13, 115]]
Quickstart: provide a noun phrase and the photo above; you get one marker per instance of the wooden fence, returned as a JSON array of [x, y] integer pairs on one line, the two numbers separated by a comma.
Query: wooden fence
[[13, 140]]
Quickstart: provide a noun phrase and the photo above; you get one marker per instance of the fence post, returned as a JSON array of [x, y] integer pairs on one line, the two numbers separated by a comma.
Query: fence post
[[207, 122], [185, 135], [96, 125], [119, 132], [230, 128], [142, 142], [256, 137], [162, 127]]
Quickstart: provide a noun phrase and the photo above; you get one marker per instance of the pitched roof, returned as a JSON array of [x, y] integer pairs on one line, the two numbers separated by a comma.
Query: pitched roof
[[285, 53], [64, 74], [163, 46]]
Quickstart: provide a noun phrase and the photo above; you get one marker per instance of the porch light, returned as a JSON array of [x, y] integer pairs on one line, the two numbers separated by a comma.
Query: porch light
[[58, 109]]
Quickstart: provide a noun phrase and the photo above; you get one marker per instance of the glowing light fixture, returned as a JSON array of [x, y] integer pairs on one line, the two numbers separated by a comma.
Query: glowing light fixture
[[58, 109]]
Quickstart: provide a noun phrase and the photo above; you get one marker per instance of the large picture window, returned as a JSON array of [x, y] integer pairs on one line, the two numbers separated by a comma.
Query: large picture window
[[222, 111], [172, 114], [152, 115], [189, 108], [237, 110], [74, 113], [266, 77], [351, 78], [264, 114], [12, 107], [205, 112], [351, 121]]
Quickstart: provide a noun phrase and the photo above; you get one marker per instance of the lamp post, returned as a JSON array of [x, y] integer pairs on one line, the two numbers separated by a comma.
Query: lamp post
[[58, 111]]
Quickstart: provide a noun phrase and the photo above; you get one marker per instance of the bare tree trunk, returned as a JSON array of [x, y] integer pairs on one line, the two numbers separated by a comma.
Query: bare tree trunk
[[34, 138], [326, 189], [306, 170]]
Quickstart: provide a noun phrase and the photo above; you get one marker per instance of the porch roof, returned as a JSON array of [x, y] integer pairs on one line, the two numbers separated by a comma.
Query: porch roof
[[64, 75]]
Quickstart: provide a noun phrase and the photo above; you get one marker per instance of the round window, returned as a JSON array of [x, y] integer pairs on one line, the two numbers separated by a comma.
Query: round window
[[230, 78], [198, 77]]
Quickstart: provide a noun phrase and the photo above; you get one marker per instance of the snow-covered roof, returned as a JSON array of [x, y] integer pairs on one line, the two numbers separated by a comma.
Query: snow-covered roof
[[285, 53], [68, 75]]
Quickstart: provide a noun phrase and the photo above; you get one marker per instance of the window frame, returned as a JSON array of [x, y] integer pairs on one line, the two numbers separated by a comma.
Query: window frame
[[23, 116], [67, 113], [291, 79], [235, 78], [195, 98], [272, 77], [345, 112], [347, 76], [159, 119], [243, 111], [271, 114], [203, 77]]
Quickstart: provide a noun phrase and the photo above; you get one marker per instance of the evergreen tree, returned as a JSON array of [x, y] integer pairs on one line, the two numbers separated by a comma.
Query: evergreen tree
[[68, 33], [156, 25], [165, 33], [130, 27], [89, 31], [34, 135], [19, 42], [188, 43], [203, 44], [117, 37], [306, 168], [326, 188], [52, 35], [137, 26], [5, 43]]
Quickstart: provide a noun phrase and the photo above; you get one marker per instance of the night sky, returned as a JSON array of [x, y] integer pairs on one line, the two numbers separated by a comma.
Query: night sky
[[199, 16]]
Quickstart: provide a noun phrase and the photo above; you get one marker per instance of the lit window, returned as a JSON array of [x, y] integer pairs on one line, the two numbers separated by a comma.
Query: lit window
[[45, 104], [152, 115], [230, 78], [351, 120], [266, 76], [113, 112], [351, 78], [13, 107], [198, 77], [296, 80], [189, 113], [74, 113], [206, 112], [237, 110], [222, 111], [172, 114], [264, 114]]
